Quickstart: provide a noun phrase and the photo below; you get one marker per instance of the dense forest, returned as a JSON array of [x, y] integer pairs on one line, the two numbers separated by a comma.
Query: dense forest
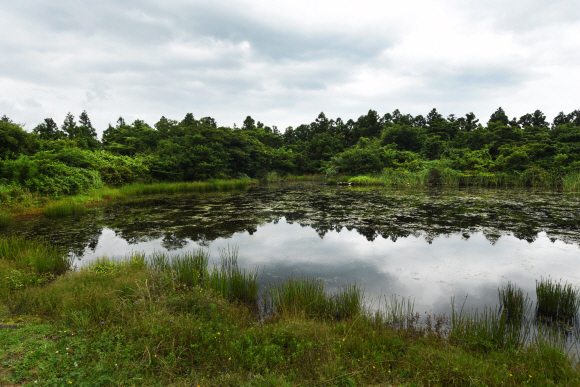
[[67, 159]]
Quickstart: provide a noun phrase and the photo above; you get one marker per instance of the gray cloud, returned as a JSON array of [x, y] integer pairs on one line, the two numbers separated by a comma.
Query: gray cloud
[[144, 59]]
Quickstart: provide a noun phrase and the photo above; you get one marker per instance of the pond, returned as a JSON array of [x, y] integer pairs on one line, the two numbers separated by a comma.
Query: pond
[[429, 245]]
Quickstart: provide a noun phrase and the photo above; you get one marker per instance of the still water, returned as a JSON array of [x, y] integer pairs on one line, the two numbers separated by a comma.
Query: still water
[[429, 245]]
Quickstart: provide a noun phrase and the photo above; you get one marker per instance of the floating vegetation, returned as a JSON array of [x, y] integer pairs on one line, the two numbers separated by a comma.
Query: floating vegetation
[[556, 300]]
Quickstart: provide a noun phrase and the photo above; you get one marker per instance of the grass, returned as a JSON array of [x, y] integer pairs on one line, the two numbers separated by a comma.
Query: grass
[[78, 204], [571, 182], [447, 177], [65, 208], [556, 300], [233, 283], [308, 297], [512, 301], [25, 262], [135, 322], [6, 220]]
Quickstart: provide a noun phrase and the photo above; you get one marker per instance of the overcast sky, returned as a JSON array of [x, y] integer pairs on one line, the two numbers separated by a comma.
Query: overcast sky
[[285, 62]]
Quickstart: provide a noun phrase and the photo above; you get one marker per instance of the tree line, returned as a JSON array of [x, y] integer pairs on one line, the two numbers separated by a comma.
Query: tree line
[[70, 158]]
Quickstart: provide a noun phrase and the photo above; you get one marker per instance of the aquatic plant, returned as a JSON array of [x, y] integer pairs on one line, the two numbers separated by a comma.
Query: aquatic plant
[[189, 268], [512, 301], [396, 312], [298, 295], [556, 300], [346, 302], [488, 330], [65, 208], [208, 186], [571, 182], [365, 180], [6, 220]]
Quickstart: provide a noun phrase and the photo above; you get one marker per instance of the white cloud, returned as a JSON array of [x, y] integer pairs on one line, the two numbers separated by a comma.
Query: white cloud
[[284, 62]]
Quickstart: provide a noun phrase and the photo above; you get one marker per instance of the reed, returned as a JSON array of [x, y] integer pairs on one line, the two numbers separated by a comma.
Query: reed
[[234, 283], [208, 186], [37, 254], [366, 180], [512, 301], [312, 177], [6, 220], [65, 208], [346, 302], [298, 295], [556, 300], [398, 313], [488, 330], [190, 268], [571, 182]]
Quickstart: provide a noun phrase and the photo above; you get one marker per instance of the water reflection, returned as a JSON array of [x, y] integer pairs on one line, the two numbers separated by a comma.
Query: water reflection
[[429, 244]]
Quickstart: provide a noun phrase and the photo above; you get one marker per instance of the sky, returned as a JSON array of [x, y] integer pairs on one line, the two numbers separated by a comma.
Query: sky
[[285, 62]]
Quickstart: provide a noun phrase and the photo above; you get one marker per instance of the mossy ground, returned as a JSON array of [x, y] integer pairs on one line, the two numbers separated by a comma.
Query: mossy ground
[[126, 325]]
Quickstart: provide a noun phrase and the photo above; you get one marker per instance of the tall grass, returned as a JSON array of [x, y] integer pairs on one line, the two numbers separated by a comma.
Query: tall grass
[[37, 254], [65, 208], [365, 180], [488, 330], [512, 301], [190, 268], [397, 313], [307, 177], [209, 186], [556, 300], [571, 182], [308, 296], [234, 283], [6, 220]]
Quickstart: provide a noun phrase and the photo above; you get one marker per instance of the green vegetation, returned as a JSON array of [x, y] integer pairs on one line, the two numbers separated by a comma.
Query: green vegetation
[[393, 150], [162, 320], [64, 208], [557, 301]]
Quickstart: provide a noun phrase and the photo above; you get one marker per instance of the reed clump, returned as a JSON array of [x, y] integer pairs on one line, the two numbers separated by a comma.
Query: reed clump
[[488, 330], [308, 296], [556, 300], [159, 188], [234, 283], [571, 182], [65, 208], [512, 301], [6, 220]]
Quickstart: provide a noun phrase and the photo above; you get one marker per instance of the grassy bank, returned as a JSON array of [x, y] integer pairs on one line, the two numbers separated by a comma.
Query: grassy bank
[[451, 178], [174, 321], [77, 204]]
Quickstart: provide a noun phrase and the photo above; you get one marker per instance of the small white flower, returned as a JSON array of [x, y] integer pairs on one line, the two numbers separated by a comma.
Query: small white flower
[[56, 351], [76, 365]]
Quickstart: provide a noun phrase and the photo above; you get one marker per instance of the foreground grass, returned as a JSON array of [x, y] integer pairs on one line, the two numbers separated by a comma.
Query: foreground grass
[[78, 204], [137, 323]]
